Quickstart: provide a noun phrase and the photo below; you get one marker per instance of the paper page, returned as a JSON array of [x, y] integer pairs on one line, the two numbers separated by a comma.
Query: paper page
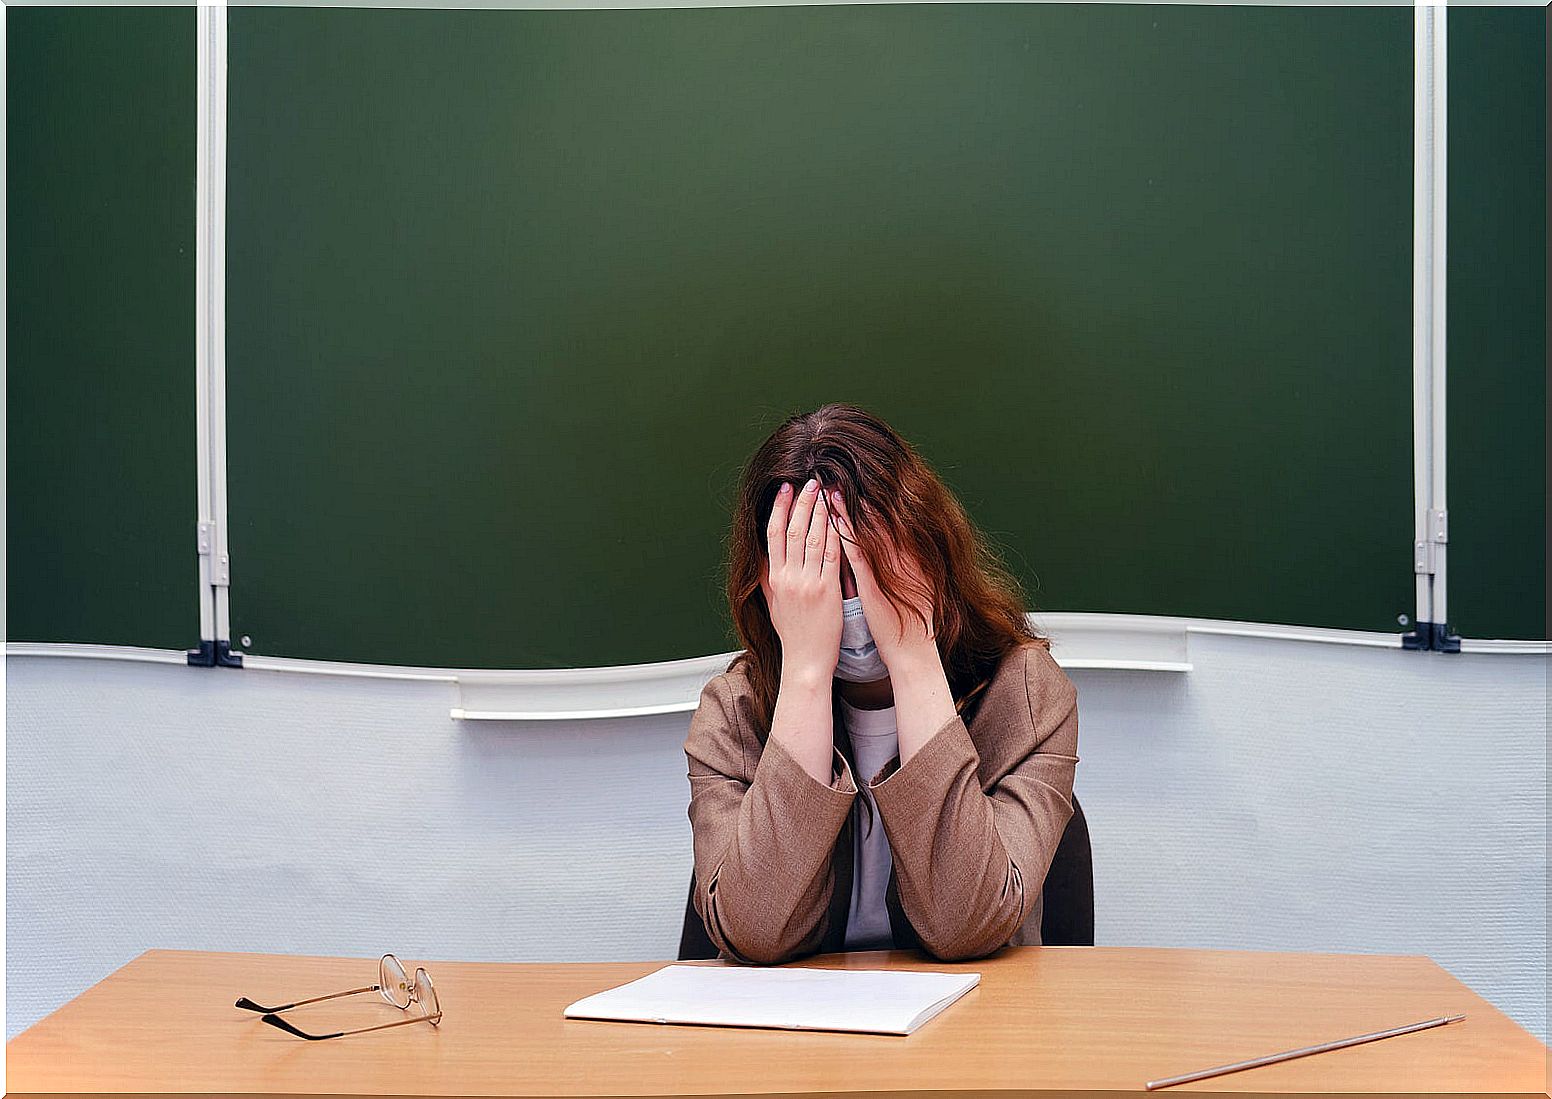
[[867, 1000]]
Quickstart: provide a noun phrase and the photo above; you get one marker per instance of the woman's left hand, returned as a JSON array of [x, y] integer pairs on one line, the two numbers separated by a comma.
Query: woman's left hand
[[898, 633]]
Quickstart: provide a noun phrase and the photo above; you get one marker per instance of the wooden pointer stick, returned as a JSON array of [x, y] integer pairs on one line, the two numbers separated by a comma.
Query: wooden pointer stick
[[1273, 1058]]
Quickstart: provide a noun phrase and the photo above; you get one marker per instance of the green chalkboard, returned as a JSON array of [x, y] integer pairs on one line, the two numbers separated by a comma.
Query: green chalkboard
[[100, 428], [513, 294], [1496, 324]]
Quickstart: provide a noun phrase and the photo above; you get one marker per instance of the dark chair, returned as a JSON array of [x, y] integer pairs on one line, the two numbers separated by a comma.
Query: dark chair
[[1068, 919]]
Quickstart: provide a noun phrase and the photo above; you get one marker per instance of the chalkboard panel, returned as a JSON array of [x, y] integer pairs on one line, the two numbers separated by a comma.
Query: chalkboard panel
[[1496, 325], [513, 294], [100, 415]]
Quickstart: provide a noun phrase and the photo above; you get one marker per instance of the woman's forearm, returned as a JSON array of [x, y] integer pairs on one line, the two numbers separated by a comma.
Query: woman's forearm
[[923, 701], [804, 722]]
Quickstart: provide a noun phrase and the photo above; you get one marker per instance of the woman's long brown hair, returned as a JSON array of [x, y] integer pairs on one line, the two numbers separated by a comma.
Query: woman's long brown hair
[[893, 497]]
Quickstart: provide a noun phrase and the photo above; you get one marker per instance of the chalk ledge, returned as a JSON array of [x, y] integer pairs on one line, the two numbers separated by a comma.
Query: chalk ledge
[[1127, 642]]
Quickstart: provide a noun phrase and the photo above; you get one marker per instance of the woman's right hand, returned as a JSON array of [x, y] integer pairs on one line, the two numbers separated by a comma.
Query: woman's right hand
[[802, 584]]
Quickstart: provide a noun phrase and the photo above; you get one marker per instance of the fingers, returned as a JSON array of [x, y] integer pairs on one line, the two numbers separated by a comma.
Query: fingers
[[830, 567], [862, 574], [818, 536], [906, 565], [776, 527], [854, 558], [800, 530]]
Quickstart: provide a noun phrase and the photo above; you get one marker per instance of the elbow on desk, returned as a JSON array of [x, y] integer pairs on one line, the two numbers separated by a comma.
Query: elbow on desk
[[749, 948], [961, 936], [961, 948], [762, 954], [748, 943]]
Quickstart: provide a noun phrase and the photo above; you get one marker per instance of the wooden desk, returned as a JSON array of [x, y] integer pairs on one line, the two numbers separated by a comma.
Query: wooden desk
[[1046, 1020]]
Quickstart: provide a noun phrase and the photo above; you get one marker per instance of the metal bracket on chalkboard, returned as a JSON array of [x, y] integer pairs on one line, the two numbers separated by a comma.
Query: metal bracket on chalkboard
[[1427, 556], [1431, 637], [215, 654], [213, 546], [1425, 551]]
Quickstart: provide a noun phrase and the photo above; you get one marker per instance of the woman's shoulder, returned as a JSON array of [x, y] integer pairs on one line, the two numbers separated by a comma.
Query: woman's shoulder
[[730, 684], [1028, 679], [1030, 659], [720, 693], [715, 736], [1041, 671]]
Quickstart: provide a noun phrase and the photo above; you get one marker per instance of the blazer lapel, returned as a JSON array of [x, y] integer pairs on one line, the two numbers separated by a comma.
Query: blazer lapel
[[834, 941], [840, 895], [899, 925]]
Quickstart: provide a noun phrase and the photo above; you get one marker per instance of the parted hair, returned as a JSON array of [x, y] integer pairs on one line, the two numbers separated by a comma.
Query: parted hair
[[892, 497]]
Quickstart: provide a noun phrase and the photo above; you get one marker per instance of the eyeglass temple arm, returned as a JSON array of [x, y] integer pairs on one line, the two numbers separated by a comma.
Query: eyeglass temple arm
[[277, 1021], [249, 1005]]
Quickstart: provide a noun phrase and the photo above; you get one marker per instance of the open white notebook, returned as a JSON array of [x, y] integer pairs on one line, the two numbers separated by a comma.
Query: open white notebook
[[871, 1001]]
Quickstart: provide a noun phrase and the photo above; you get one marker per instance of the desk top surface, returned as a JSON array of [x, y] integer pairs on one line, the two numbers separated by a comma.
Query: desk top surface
[[1049, 1019]]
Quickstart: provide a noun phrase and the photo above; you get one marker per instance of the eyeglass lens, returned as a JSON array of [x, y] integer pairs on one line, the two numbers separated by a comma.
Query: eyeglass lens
[[392, 982], [426, 997]]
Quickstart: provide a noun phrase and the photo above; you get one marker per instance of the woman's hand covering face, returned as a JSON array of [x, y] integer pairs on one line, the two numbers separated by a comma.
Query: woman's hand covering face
[[897, 633], [802, 585]]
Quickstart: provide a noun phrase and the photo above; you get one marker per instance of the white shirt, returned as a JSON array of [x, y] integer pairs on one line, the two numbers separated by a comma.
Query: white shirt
[[875, 739]]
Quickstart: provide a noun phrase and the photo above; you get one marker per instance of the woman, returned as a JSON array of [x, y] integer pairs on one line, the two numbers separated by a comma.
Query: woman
[[889, 762]]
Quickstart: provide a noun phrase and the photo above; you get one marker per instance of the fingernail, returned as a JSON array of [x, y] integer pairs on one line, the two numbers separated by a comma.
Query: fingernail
[[784, 487], [812, 484]]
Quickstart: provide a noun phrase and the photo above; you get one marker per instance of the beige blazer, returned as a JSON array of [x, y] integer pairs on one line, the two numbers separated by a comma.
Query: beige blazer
[[973, 821]]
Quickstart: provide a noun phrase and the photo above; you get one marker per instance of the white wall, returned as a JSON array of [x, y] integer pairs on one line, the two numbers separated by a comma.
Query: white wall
[[1284, 795]]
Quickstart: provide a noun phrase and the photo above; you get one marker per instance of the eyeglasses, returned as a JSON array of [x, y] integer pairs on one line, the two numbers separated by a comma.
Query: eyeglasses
[[392, 984]]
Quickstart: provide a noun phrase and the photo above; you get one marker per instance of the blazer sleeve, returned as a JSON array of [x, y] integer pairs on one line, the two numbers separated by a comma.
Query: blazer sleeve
[[763, 844], [969, 862]]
